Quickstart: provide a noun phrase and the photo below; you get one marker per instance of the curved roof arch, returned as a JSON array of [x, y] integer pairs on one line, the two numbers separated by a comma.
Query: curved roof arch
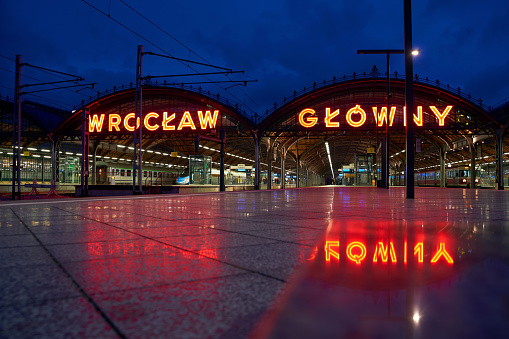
[[467, 117], [372, 91], [159, 99]]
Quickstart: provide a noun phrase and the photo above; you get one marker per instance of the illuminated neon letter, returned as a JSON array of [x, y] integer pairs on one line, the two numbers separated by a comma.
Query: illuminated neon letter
[[441, 116], [379, 118], [404, 253], [166, 120], [207, 119], [419, 250], [417, 118], [442, 252], [329, 251], [186, 121], [126, 122], [356, 257], [147, 123], [329, 116], [381, 250], [307, 122], [114, 121], [96, 122], [356, 110]]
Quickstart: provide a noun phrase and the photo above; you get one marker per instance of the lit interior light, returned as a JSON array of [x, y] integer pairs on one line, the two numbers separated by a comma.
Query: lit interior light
[[328, 155], [416, 317]]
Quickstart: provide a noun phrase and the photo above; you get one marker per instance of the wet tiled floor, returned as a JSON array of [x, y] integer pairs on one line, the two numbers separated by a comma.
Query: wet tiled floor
[[316, 262]]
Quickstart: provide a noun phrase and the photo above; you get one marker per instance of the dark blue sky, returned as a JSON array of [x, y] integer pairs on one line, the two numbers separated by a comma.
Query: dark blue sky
[[286, 45]]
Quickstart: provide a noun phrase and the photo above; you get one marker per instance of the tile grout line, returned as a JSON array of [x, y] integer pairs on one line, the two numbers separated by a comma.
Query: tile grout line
[[78, 286], [184, 249]]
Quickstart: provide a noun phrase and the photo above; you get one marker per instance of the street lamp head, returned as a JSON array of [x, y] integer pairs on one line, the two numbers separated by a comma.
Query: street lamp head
[[416, 52]]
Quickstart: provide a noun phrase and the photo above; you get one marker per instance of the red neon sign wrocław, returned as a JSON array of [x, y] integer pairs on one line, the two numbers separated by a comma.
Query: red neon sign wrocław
[[152, 121]]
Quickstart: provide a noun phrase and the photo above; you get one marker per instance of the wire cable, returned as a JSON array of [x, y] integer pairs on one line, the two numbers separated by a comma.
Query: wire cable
[[156, 46], [190, 50]]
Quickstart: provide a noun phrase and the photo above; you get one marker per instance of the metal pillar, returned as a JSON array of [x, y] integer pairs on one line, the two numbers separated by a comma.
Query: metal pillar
[[269, 166], [283, 177], [297, 168], [222, 136], [55, 161], [499, 134], [387, 148], [472, 164], [385, 163], [42, 170], [16, 137], [257, 161], [94, 163], [84, 151], [409, 100], [443, 179], [138, 129]]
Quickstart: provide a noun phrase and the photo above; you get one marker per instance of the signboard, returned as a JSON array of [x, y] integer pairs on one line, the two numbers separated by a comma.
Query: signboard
[[241, 166], [174, 154], [370, 150], [357, 116], [153, 122], [26, 153]]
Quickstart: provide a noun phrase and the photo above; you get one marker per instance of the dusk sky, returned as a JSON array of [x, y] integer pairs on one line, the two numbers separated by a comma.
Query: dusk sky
[[285, 45]]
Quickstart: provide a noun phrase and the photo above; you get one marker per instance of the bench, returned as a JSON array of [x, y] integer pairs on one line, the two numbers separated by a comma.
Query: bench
[[52, 187]]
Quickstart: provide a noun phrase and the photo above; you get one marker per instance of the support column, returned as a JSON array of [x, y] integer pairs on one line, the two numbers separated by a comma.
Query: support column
[[297, 169], [269, 166], [84, 151], [283, 159], [55, 161], [443, 179], [409, 100], [94, 163], [473, 152], [16, 138], [222, 136], [257, 161], [138, 130], [499, 136]]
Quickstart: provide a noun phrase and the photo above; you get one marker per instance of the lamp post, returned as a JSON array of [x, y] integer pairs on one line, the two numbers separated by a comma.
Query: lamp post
[[388, 52], [385, 160]]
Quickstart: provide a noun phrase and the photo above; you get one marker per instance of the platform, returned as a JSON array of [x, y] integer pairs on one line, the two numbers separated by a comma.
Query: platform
[[272, 263]]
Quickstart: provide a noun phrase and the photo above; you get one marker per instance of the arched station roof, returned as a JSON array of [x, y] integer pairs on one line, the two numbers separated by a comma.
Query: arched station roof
[[467, 118], [281, 129], [175, 102]]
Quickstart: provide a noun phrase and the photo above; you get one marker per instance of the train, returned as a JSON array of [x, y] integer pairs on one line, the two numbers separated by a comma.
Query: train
[[121, 174], [455, 177]]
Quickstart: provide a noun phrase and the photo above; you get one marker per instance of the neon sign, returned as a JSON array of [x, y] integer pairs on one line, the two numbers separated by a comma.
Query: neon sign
[[357, 117], [357, 251], [152, 121]]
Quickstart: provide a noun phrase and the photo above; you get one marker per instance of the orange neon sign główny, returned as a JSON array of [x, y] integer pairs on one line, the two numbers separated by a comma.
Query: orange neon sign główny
[[152, 121], [357, 117]]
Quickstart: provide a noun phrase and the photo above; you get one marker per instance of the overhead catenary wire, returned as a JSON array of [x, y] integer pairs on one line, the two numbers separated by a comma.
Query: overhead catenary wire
[[160, 48], [185, 46], [40, 69]]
